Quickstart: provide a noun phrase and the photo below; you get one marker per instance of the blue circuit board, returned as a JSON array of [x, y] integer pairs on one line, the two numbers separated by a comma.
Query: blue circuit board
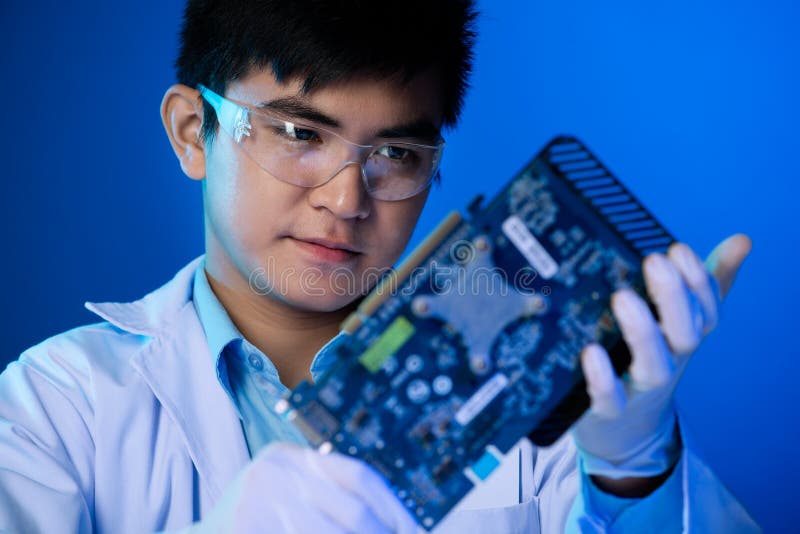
[[474, 341]]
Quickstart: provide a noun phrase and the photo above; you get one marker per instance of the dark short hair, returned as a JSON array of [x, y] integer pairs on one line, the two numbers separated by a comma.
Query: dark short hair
[[325, 41]]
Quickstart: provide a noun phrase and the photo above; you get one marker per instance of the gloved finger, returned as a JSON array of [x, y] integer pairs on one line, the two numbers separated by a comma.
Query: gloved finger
[[284, 517], [346, 510], [362, 481], [652, 365], [320, 495], [699, 281], [287, 518], [604, 388], [679, 311], [726, 259]]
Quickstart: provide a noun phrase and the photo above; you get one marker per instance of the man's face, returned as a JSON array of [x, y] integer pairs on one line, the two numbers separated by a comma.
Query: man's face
[[285, 241]]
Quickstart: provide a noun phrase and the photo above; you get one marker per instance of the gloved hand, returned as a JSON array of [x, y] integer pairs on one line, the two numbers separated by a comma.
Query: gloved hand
[[630, 429], [290, 489]]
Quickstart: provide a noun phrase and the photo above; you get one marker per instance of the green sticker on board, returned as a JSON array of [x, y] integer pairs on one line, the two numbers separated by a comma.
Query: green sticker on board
[[390, 341]]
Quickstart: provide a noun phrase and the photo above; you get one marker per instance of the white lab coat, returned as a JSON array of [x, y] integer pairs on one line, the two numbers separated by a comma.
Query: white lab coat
[[122, 427]]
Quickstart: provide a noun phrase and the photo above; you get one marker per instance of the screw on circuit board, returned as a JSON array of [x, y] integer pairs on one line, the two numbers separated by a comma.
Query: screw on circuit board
[[479, 364], [536, 304], [420, 307], [481, 243]]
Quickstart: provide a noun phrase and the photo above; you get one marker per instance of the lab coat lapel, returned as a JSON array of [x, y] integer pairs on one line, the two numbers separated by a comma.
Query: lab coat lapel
[[178, 368], [180, 372]]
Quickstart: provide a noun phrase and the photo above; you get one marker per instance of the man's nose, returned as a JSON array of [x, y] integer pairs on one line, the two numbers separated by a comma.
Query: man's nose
[[344, 194]]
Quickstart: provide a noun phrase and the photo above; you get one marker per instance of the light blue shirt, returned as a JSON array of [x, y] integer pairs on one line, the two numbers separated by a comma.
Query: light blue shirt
[[246, 374]]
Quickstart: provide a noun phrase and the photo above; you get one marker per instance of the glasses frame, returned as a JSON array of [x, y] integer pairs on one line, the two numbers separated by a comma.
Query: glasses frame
[[234, 118]]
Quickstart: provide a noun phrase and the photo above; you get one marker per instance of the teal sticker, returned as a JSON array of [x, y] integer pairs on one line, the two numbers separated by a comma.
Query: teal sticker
[[485, 465]]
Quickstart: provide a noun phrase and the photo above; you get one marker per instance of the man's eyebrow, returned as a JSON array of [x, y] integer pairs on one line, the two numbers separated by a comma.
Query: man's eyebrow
[[297, 108], [292, 106], [422, 129]]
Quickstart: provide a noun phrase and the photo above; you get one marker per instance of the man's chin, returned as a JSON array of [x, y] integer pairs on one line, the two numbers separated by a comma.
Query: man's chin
[[324, 301]]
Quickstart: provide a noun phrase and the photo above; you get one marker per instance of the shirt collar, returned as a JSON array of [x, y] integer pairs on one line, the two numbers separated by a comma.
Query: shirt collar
[[325, 358], [220, 330], [217, 324]]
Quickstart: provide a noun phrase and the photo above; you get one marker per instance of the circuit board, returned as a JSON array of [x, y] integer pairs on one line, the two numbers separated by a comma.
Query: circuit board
[[474, 341]]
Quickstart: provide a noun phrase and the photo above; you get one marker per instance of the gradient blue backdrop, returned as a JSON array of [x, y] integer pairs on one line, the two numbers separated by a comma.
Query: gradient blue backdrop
[[693, 104]]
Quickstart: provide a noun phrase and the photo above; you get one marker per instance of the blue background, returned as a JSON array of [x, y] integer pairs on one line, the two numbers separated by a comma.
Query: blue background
[[693, 104]]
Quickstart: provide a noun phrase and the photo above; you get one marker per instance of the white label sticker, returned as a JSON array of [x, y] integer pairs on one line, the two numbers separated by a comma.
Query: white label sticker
[[481, 399], [530, 247]]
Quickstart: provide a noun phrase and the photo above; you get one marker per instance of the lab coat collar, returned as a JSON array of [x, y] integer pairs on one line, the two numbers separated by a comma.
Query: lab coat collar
[[154, 313], [178, 367]]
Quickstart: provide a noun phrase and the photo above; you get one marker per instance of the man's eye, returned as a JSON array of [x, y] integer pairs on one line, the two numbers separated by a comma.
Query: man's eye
[[394, 152], [298, 134]]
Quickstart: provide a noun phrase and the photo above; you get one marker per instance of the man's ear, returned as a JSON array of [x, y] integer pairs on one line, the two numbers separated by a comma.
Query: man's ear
[[182, 115]]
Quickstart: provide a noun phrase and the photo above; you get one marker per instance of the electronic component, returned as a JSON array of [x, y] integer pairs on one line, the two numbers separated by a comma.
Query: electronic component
[[474, 341]]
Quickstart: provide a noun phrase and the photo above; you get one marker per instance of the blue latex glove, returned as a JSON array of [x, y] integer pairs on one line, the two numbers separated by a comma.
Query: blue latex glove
[[290, 489], [630, 429]]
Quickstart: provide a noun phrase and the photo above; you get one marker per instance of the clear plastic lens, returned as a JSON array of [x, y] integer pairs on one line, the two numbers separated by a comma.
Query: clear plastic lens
[[308, 156]]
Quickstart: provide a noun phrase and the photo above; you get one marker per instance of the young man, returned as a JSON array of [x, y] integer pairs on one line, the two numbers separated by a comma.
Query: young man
[[315, 131]]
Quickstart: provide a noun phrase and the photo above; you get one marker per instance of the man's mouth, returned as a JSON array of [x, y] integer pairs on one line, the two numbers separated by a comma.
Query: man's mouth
[[328, 250]]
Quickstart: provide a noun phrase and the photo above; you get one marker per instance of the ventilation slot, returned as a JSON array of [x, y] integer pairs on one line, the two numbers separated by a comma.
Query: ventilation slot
[[650, 243], [645, 233], [635, 225], [577, 166], [630, 206], [586, 184], [580, 175], [568, 156], [600, 191], [616, 199], [609, 198], [565, 147], [628, 217]]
